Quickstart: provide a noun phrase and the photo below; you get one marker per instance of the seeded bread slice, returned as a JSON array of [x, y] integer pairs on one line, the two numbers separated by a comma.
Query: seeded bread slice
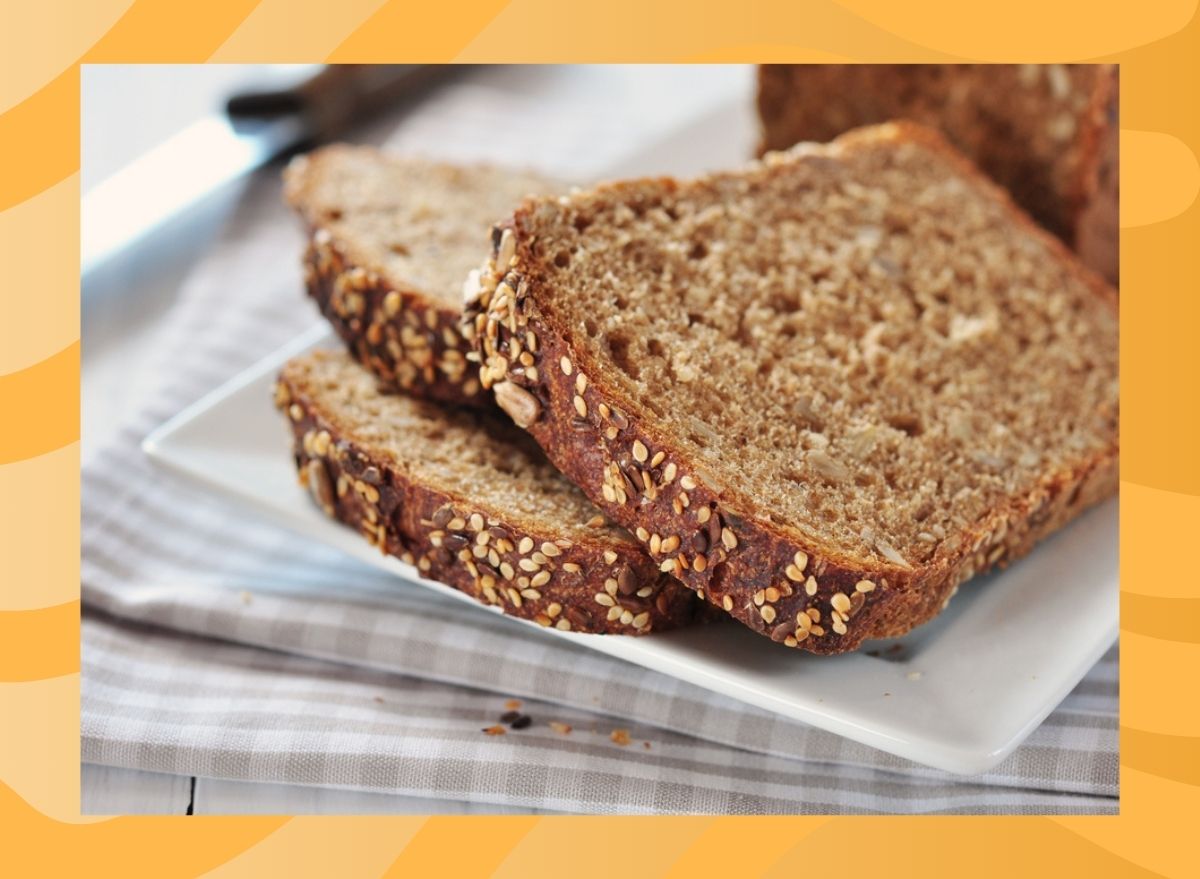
[[1040, 130], [391, 240], [470, 501], [823, 390]]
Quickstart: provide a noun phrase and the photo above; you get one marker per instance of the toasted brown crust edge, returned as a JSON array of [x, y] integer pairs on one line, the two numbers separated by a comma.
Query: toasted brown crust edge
[[759, 573], [409, 342], [420, 526]]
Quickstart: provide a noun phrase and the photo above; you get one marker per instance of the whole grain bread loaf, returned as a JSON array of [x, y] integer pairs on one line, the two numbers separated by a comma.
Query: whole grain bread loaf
[[471, 502], [823, 390], [390, 241], [1040, 130]]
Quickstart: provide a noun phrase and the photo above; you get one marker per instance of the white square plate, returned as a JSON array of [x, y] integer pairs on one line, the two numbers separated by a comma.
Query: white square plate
[[959, 693]]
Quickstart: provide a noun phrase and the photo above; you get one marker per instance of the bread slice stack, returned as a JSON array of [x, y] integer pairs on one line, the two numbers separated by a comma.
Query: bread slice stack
[[823, 390], [1046, 132], [444, 483]]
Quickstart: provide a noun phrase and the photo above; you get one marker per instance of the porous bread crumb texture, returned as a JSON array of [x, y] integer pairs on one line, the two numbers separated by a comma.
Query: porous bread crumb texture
[[419, 224], [470, 501], [391, 240], [1031, 127], [861, 351]]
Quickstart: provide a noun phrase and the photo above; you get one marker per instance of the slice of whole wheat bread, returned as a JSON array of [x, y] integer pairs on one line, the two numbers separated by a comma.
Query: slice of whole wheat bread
[[391, 239], [470, 501], [1040, 130], [823, 390]]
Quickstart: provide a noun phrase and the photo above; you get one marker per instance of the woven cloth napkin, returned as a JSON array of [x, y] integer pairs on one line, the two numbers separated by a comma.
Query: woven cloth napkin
[[217, 645]]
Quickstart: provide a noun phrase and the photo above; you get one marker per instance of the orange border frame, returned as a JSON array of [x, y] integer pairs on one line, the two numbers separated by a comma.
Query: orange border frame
[[1158, 47]]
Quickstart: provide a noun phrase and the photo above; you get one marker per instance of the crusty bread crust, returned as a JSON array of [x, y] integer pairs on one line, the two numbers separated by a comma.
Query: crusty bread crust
[[408, 340], [711, 536], [601, 586]]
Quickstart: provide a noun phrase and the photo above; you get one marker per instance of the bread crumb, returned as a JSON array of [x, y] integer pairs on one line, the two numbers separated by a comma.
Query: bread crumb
[[379, 699], [512, 704], [558, 727], [246, 597], [646, 745], [914, 676], [620, 736], [495, 730]]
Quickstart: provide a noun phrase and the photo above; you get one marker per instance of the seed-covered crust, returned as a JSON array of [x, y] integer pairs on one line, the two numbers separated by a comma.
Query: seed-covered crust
[[409, 341], [528, 569], [390, 240], [698, 524], [1031, 127]]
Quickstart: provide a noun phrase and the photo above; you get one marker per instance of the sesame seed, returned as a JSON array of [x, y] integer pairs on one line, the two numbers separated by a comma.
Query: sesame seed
[[525, 545], [814, 614], [640, 621], [580, 406], [768, 613], [810, 585], [476, 522], [626, 617], [640, 452], [642, 534], [728, 538], [296, 412], [645, 592], [700, 562], [541, 578], [580, 383], [655, 543], [604, 599], [506, 249], [531, 594], [670, 544], [668, 567], [571, 568], [687, 482], [542, 620], [539, 558], [506, 570], [759, 597], [839, 627], [609, 556], [669, 473], [553, 609], [803, 621], [658, 458], [614, 613], [772, 593], [795, 574], [565, 365], [551, 550], [611, 586], [527, 565], [727, 603], [800, 559], [703, 514], [790, 641], [609, 494], [864, 586], [563, 625]]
